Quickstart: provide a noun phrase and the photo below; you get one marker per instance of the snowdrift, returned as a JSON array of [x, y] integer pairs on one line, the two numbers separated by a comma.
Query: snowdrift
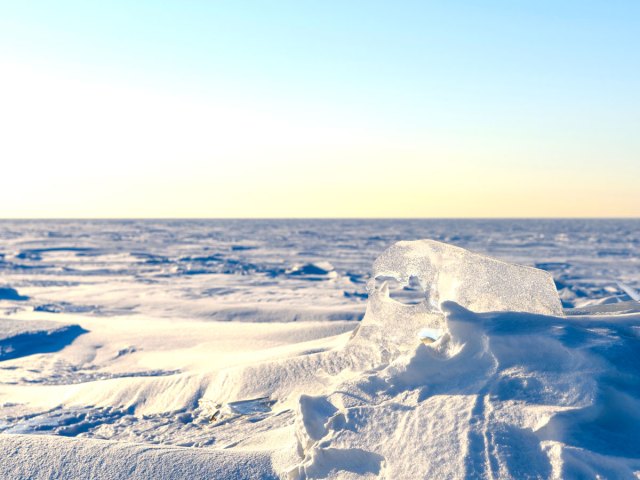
[[501, 385], [512, 390], [19, 338]]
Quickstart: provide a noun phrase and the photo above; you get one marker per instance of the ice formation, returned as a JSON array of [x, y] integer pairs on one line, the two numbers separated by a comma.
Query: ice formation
[[502, 392], [477, 282]]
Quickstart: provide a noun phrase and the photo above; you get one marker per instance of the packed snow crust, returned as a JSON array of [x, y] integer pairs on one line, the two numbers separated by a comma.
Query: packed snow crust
[[481, 375]]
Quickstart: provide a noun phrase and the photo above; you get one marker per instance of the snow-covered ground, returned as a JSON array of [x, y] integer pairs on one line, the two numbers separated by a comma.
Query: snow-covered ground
[[241, 349]]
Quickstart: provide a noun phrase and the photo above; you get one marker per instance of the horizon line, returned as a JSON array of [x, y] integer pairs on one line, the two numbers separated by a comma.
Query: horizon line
[[4, 219]]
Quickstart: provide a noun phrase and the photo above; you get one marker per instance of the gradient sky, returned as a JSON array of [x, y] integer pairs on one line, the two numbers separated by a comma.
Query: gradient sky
[[319, 109]]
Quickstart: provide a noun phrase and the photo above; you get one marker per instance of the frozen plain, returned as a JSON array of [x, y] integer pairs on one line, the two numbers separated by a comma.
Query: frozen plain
[[236, 349]]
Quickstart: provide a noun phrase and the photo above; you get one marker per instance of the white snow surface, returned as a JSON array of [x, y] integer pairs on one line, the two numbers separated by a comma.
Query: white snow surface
[[243, 350]]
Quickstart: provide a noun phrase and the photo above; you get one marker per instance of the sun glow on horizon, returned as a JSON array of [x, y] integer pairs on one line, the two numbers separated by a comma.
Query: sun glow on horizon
[[328, 127]]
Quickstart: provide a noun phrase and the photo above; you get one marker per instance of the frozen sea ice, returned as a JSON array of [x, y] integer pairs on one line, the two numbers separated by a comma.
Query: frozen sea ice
[[477, 282]]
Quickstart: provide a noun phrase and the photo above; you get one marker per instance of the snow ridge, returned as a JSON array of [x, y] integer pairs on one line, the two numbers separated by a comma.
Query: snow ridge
[[514, 390]]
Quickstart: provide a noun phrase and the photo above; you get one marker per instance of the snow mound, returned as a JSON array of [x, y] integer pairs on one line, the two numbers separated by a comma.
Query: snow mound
[[503, 392], [315, 270]]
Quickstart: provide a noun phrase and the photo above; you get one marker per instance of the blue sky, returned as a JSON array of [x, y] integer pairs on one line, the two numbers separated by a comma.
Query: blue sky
[[278, 109]]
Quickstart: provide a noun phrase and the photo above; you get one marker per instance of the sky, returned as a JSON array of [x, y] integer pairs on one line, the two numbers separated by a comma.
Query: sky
[[216, 109]]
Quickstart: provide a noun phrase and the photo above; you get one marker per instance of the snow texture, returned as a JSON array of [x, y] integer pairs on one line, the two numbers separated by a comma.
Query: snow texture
[[232, 349]]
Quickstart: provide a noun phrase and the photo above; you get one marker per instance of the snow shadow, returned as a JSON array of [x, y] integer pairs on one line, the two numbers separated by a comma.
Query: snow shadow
[[17, 340]]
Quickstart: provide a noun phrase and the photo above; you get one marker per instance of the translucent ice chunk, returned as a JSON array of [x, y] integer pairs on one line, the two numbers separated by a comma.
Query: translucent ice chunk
[[477, 282], [219, 411]]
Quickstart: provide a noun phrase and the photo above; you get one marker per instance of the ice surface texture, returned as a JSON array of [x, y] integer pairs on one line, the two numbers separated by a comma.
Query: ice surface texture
[[477, 282], [504, 392], [170, 263]]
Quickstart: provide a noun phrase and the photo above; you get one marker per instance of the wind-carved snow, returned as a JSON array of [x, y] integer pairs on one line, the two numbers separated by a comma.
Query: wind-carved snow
[[464, 366], [512, 390]]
